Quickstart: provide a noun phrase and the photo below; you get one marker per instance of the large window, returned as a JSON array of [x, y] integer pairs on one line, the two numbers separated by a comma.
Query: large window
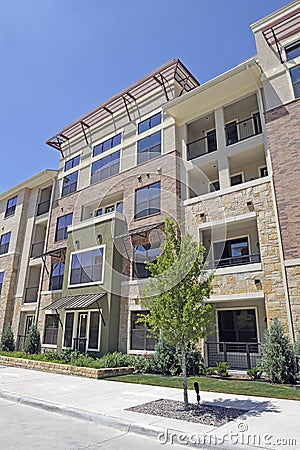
[[72, 162], [62, 227], [149, 123], [1, 281], [87, 266], [292, 51], [149, 147], [69, 324], [295, 77], [69, 183], [232, 252], [237, 325], [11, 206], [4, 243], [51, 329], [57, 276], [105, 167], [147, 201], [142, 254], [107, 145], [139, 335]]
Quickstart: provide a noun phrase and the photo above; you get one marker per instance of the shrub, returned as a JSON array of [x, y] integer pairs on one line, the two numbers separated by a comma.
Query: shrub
[[222, 369], [277, 355], [32, 341], [254, 373], [116, 359], [144, 363], [7, 340], [297, 350]]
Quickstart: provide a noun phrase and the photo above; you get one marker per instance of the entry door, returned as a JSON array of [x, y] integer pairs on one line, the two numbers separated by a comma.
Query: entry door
[[82, 332], [28, 323]]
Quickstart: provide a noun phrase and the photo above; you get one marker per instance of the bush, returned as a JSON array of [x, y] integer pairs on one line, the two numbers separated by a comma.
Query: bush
[[7, 340], [297, 350], [144, 363], [254, 373], [222, 369], [277, 355], [116, 359], [32, 341], [167, 360]]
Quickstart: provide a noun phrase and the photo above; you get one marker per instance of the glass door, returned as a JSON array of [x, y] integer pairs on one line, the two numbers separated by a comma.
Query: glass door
[[81, 332]]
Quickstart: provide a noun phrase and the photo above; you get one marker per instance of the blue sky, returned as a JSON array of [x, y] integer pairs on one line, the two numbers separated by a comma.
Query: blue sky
[[61, 58]]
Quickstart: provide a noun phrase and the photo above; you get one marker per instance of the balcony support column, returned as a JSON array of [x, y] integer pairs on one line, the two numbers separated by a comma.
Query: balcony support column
[[224, 173]]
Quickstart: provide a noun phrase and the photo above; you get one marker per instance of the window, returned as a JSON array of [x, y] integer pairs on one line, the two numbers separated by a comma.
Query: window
[[57, 276], [107, 145], [211, 141], [232, 252], [263, 172], [105, 167], [87, 266], [236, 179], [68, 335], [98, 212], [149, 123], [51, 329], [109, 209], [231, 133], [116, 207], [62, 227], [139, 334], [11, 206], [1, 281], [214, 186], [147, 201], [94, 331], [295, 77], [69, 183], [142, 254], [237, 325], [4, 243], [72, 163], [149, 147], [292, 51]]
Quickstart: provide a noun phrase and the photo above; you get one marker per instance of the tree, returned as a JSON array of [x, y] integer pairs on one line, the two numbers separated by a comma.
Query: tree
[[176, 294], [32, 341], [277, 355], [7, 340]]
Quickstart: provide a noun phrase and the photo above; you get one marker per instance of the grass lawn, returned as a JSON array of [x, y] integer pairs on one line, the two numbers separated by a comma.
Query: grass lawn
[[256, 388]]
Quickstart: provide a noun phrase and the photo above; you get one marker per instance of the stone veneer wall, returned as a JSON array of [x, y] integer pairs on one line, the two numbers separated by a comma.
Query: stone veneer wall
[[234, 204], [293, 279]]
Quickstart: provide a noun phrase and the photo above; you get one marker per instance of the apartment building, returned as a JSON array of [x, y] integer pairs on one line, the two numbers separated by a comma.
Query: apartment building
[[221, 159], [24, 220]]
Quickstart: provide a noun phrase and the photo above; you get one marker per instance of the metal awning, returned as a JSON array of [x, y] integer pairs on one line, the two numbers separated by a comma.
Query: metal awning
[[75, 301], [57, 252], [140, 230]]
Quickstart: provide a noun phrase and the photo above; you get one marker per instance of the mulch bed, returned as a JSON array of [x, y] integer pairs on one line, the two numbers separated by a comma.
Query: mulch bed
[[204, 413]]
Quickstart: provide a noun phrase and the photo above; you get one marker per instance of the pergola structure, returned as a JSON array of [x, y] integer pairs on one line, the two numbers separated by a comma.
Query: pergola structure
[[172, 70]]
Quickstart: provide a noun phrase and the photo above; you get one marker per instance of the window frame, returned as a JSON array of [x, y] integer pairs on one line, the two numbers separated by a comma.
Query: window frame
[[50, 344], [148, 187], [10, 210], [295, 44], [1, 280], [149, 120], [146, 339], [234, 175], [63, 228], [149, 149], [106, 141], [60, 276], [239, 308], [105, 167], [5, 244], [86, 250], [295, 83], [74, 162], [69, 188]]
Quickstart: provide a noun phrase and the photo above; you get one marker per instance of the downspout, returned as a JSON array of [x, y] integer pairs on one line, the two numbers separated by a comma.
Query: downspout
[[45, 247], [281, 254]]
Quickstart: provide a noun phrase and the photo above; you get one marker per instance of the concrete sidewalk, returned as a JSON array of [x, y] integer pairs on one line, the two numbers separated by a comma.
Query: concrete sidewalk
[[267, 423]]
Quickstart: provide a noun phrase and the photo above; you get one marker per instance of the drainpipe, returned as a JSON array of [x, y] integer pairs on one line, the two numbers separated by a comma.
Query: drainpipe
[[45, 247], [281, 254]]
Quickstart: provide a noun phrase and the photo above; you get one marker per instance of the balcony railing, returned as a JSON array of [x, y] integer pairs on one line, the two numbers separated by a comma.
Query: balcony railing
[[43, 208], [31, 294], [238, 355], [202, 146], [37, 249], [233, 261], [238, 131]]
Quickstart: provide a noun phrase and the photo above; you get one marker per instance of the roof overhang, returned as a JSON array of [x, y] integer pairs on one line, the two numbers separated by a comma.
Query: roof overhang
[[172, 71], [75, 301], [237, 82]]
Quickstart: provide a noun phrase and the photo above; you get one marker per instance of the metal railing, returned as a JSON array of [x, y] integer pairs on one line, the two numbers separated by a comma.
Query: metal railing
[[37, 249], [31, 294], [238, 131], [201, 146], [238, 355], [43, 208], [233, 261]]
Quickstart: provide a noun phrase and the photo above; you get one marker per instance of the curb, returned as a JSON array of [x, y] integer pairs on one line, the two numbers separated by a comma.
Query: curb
[[117, 423]]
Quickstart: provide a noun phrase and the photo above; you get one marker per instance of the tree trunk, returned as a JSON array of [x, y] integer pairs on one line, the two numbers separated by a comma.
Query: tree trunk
[[184, 379]]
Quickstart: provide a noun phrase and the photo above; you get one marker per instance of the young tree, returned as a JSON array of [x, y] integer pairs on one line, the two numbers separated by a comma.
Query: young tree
[[7, 339], [277, 355], [176, 294], [32, 341]]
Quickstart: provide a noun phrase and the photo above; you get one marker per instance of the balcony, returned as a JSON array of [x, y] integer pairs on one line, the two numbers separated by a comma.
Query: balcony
[[238, 131], [31, 294], [43, 208], [234, 261], [238, 355], [202, 146], [37, 249]]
